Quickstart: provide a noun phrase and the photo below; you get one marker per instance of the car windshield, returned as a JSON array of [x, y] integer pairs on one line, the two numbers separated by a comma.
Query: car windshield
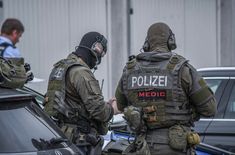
[[20, 127]]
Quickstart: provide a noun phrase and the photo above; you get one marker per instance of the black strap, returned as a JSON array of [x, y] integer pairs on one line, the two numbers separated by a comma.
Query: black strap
[[3, 47]]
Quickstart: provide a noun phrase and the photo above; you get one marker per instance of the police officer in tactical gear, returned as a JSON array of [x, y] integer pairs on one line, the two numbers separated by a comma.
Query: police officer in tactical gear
[[168, 91], [74, 98]]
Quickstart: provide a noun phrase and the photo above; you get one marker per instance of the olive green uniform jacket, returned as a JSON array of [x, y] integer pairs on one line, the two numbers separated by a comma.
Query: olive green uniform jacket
[[83, 89]]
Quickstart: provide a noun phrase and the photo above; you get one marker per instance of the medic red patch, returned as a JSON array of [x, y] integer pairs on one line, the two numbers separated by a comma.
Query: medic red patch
[[151, 95]]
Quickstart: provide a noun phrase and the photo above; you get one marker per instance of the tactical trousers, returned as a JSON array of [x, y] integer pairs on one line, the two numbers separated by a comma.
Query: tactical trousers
[[158, 142]]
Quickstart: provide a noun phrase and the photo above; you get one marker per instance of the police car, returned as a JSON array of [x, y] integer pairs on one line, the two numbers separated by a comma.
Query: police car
[[25, 129]]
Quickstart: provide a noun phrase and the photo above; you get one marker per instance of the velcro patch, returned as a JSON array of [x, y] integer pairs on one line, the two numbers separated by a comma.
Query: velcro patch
[[151, 95], [57, 74]]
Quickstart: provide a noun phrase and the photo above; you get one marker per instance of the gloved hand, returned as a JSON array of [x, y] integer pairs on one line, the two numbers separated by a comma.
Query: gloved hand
[[27, 67], [29, 73], [30, 76]]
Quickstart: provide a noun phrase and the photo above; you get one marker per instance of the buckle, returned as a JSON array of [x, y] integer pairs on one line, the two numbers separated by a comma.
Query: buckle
[[81, 137]]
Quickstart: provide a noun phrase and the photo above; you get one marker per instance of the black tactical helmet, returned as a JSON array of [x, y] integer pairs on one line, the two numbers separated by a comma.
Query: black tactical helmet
[[159, 38]]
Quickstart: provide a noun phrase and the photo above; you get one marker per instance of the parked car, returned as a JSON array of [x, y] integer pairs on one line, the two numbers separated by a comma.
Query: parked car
[[25, 129], [117, 141], [219, 131]]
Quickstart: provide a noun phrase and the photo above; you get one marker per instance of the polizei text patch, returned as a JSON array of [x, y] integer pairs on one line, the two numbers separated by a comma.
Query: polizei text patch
[[152, 80]]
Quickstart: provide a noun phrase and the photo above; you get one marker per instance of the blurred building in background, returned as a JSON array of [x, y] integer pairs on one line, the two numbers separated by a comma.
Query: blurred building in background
[[204, 30]]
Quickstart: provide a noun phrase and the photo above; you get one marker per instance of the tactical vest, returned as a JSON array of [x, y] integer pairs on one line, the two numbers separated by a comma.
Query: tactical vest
[[12, 71], [56, 85], [156, 87]]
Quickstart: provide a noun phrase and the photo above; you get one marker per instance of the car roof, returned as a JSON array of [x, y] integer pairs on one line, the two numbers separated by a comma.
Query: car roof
[[14, 95], [217, 71]]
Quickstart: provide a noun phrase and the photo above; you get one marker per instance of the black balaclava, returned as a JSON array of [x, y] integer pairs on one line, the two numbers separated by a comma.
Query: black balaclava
[[84, 49]]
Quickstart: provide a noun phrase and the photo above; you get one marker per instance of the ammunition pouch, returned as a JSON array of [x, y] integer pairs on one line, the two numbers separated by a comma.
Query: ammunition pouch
[[150, 115], [177, 138], [181, 137], [149, 109]]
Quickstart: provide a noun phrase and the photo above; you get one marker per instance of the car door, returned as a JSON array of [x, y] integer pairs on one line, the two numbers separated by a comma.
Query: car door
[[221, 130], [217, 85]]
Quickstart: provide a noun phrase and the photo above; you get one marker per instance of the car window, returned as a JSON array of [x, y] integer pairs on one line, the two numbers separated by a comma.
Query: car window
[[230, 110], [213, 84], [21, 129]]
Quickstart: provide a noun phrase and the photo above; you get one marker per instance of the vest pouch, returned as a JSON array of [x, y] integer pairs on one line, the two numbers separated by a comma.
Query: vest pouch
[[69, 131], [177, 138], [12, 72], [193, 138], [133, 116]]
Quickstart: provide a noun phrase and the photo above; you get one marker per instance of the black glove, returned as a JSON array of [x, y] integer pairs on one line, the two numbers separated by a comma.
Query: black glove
[[29, 73], [27, 67], [30, 76]]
